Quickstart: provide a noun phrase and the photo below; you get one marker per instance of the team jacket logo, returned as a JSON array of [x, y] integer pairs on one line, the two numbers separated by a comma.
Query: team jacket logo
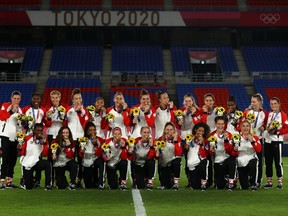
[[270, 18]]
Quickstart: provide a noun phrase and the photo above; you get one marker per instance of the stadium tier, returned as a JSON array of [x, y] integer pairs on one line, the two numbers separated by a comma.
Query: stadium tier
[[76, 4], [32, 59], [90, 90], [220, 91], [269, 88], [137, 59], [266, 59], [20, 5], [267, 4], [139, 4], [206, 4], [131, 94], [83, 58], [26, 90], [181, 62]]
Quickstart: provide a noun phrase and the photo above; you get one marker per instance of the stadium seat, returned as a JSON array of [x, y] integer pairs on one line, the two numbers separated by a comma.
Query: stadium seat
[[33, 56], [137, 59], [90, 90], [269, 88], [82, 58], [138, 4], [267, 5], [20, 5], [181, 62], [205, 4], [26, 90], [261, 59], [76, 4], [220, 91], [132, 94]]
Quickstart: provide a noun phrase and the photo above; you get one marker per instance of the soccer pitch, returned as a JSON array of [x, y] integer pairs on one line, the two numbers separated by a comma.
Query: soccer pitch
[[156, 202]]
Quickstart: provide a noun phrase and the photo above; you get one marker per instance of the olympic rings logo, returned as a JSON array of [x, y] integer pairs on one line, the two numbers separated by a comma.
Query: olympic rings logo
[[269, 18]]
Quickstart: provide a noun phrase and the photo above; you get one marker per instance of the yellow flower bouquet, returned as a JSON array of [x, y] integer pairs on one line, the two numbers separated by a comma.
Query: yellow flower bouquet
[[188, 138], [20, 137], [251, 117], [179, 114], [83, 142], [219, 111], [110, 117]]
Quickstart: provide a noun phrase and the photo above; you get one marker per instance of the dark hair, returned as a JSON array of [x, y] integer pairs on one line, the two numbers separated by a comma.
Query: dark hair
[[99, 98], [276, 99], [75, 91], [217, 118], [159, 93], [206, 129], [38, 125], [143, 92], [59, 137], [87, 126], [15, 93], [168, 124], [209, 95], [232, 99]]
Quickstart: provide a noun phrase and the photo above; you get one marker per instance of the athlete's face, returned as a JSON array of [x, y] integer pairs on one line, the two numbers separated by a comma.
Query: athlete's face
[[255, 103], [169, 131], [145, 133], [231, 105], [91, 131], [99, 104], [15, 99], [117, 135], [145, 100], [55, 99], [245, 128], [220, 125], [118, 100], [209, 102], [36, 101], [275, 106], [77, 99], [38, 132], [188, 102], [65, 133], [164, 99], [200, 132]]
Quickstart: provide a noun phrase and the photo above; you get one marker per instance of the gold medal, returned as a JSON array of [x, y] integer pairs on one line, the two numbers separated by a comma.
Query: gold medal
[[254, 132]]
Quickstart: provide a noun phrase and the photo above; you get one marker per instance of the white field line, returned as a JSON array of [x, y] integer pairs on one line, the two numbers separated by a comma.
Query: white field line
[[137, 198]]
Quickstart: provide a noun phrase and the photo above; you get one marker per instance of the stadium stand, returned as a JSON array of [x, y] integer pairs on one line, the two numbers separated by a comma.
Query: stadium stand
[[272, 59], [137, 59], [20, 5], [139, 4], [90, 89], [131, 94], [26, 90], [205, 4], [220, 91], [269, 88], [181, 62], [76, 4], [32, 59], [82, 58], [267, 5]]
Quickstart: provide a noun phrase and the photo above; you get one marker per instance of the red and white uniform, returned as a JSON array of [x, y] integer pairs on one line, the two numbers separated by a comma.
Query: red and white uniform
[[9, 125], [92, 152], [31, 152], [38, 115], [247, 151], [196, 153], [261, 119], [117, 153], [231, 128], [221, 150], [189, 121], [54, 123], [162, 117], [281, 117], [97, 122], [65, 155], [171, 151], [146, 119], [209, 118], [76, 121], [143, 152], [121, 120]]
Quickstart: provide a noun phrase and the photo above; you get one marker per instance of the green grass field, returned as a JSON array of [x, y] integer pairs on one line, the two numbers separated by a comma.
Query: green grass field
[[157, 202]]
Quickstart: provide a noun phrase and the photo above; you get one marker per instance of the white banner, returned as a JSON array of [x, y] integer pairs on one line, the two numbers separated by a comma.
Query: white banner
[[105, 18]]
